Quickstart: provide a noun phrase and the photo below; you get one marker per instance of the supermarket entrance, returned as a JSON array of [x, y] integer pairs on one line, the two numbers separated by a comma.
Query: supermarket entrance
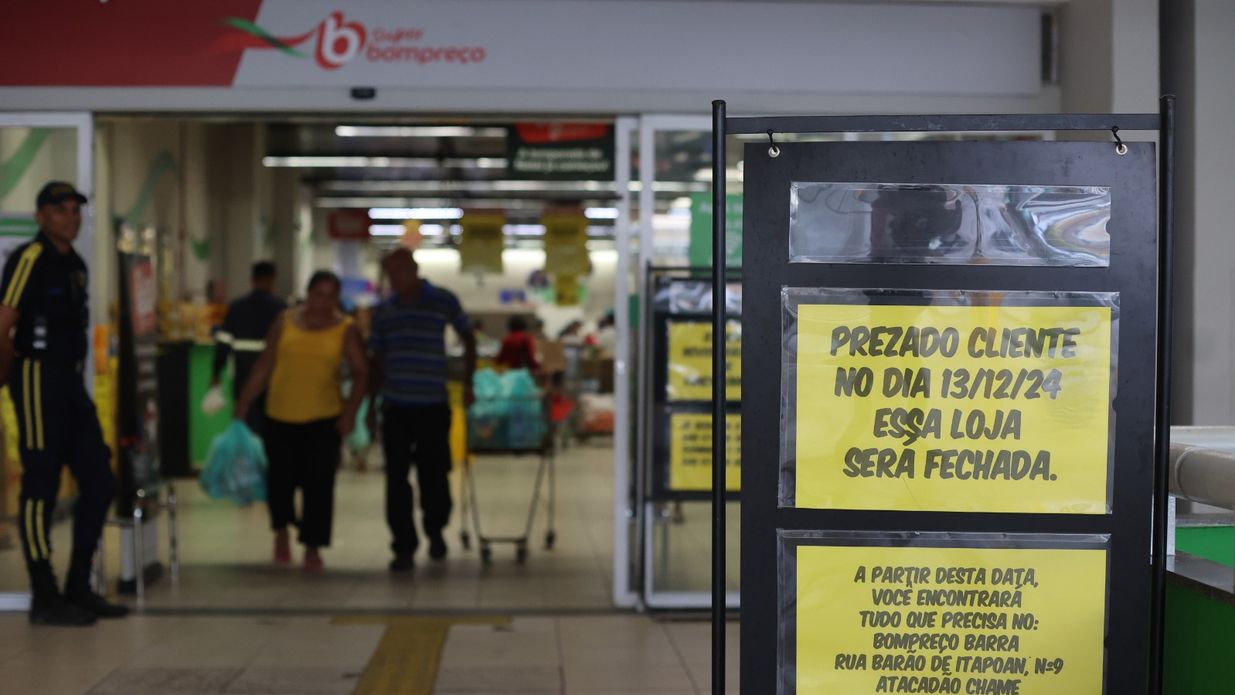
[[516, 217]]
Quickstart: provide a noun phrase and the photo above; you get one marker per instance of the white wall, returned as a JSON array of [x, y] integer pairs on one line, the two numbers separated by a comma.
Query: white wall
[[216, 191], [1108, 56], [1198, 69]]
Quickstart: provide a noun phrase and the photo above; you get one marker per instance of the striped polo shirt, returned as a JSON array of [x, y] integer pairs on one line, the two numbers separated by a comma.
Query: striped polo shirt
[[410, 340]]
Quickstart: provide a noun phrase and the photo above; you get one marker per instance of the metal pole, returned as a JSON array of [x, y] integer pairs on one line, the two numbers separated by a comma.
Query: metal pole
[[718, 397], [1166, 257]]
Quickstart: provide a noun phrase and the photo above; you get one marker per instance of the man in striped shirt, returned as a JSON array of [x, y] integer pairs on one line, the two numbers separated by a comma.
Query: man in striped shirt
[[409, 371]]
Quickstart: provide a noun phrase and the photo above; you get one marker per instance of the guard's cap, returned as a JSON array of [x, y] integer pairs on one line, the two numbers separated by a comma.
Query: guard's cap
[[57, 192]]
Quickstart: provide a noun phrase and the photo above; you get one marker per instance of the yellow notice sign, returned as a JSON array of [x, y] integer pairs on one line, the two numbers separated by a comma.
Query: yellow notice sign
[[690, 361], [952, 408], [480, 247], [690, 452], [949, 620], [566, 243]]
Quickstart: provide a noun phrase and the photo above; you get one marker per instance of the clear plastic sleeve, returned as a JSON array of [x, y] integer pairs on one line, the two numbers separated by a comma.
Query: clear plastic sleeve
[[963, 224]]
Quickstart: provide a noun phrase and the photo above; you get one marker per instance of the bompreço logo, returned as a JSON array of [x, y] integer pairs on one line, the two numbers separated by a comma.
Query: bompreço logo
[[337, 41]]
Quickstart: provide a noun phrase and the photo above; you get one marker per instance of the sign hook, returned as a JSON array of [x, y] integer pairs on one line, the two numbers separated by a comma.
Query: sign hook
[[773, 150], [1120, 148]]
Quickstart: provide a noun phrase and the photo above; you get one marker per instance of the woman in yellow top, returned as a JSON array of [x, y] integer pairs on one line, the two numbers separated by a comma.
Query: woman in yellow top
[[307, 417]]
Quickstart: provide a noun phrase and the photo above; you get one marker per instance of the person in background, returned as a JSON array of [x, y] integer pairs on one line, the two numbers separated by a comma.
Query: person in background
[[518, 347], [605, 338], [571, 334], [244, 331], [44, 316], [409, 373], [306, 416]]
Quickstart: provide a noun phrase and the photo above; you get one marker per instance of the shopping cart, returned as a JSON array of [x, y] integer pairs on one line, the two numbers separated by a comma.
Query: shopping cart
[[517, 427]]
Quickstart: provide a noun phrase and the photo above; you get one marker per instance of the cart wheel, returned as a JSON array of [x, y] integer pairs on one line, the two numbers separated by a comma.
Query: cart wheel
[[486, 555], [550, 539], [521, 554], [466, 539]]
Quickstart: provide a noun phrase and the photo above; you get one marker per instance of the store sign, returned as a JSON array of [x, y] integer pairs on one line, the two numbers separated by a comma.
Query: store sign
[[545, 45], [348, 224], [144, 292], [137, 412], [560, 151], [337, 40]]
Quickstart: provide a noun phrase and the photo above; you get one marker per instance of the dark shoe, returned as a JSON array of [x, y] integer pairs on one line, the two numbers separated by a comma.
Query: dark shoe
[[54, 610], [437, 548], [402, 563], [99, 606]]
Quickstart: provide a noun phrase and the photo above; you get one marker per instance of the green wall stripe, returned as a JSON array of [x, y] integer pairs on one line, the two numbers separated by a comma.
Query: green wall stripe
[[18, 165], [164, 163]]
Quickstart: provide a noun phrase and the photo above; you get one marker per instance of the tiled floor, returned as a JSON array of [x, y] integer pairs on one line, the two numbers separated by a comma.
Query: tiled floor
[[225, 550], [234, 624], [148, 655]]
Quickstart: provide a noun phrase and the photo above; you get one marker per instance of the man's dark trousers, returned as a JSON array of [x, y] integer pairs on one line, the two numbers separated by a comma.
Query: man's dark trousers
[[56, 425], [417, 435]]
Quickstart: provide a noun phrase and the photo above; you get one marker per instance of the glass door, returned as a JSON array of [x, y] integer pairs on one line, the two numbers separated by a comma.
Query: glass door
[[673, 426], [34, 148]]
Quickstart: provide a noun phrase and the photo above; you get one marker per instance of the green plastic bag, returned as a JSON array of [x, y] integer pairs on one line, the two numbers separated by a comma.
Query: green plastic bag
[[360, 438], [236, 466]]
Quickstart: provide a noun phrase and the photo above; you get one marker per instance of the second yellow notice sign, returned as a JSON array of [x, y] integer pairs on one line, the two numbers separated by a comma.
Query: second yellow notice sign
[[972, 402], [1010, 621]]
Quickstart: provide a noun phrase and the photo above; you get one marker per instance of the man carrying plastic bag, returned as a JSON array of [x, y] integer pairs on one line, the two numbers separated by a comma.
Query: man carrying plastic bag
[[236, 466]]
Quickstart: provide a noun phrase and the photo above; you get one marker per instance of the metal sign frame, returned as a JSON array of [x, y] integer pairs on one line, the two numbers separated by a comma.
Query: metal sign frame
[[1140, 269]]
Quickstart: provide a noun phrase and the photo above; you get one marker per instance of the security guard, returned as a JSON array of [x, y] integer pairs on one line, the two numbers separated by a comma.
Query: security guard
[[44, 317], [244, 331]]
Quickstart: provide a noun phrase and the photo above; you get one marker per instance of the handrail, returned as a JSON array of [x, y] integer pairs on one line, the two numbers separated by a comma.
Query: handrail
[[1202, 462]]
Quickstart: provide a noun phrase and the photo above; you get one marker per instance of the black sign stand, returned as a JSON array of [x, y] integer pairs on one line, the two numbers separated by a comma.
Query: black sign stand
[[1140, 462]]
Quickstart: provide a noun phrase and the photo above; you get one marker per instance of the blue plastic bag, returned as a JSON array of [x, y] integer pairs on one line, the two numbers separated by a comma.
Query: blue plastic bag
[[507, 414], [236, 466], [525, 417]]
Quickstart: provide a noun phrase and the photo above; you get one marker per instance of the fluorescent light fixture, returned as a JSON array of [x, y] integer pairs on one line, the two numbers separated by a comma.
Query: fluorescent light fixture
[[441, 187], [417, 131], [386, 230], [601, 213], [360, 162], [415, 213], [523, 229]]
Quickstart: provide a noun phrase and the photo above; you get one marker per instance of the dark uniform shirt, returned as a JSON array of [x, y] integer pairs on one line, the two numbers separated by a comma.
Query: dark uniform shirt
[[49, 291], [248, 320]]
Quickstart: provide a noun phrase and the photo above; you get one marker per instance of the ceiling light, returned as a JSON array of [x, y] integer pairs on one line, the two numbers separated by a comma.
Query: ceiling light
[[359, 162], [415, 213], [601, 213], [387, 230], [401, 131], [441, 187]]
